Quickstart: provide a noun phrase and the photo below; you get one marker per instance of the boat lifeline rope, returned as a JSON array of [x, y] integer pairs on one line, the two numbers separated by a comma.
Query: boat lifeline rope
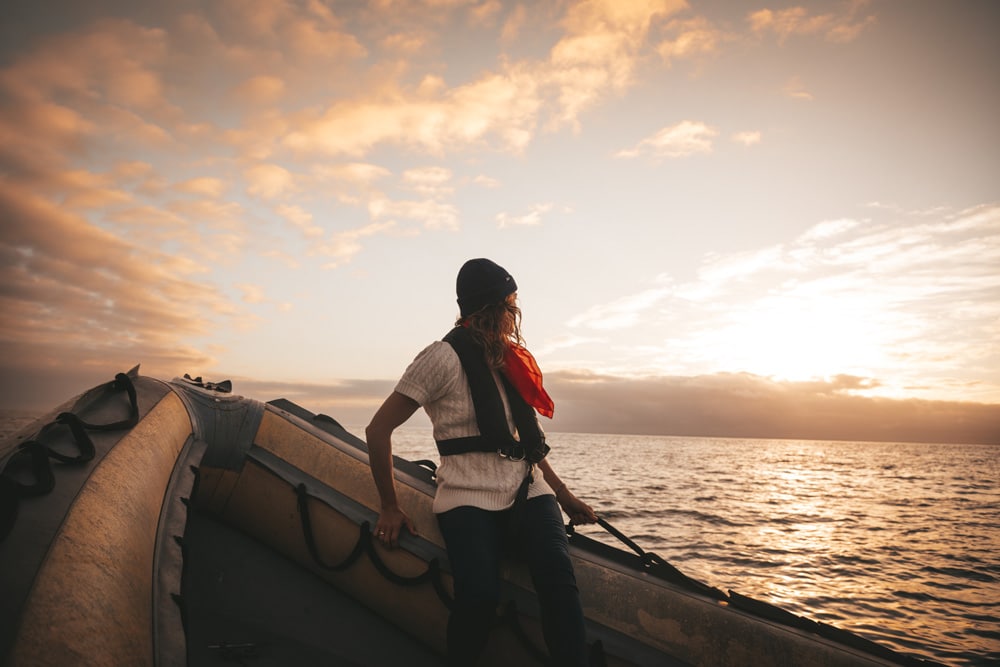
[[32, 459], [366, 545]]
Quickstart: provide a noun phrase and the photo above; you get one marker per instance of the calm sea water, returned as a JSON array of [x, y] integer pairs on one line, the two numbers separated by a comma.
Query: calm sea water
[[898, 542]]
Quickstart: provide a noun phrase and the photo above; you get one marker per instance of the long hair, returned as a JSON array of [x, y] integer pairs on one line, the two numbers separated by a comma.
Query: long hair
[[494, 328]]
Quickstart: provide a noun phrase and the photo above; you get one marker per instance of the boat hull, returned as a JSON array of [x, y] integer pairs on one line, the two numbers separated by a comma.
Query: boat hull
[[193, 535]]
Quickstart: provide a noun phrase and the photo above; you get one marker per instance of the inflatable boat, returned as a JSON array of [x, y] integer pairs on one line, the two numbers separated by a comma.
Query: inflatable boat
[[170, 523]]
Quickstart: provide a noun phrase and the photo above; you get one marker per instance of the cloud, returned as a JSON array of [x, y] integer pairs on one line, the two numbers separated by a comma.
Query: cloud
[[795, 89], [301, 218], [513, 25], [206, 185], [351, 402], [500, 107], [150, 84], [747, 138], [599, 51], [690, 38], [111, 60], [352, 183], [429, 213], [531, 218], [76, 296], [252, 293], [342, 247], [260, 89], [304, 32], [430, 181], [269, 181], [846, 296], [785, 23], [684, 139], [594, 57], [486, 181], [750, 406], [620, 314]]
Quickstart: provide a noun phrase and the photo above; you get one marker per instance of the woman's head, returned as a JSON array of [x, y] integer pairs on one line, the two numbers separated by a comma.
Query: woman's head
[[482, 283], [487, 297]]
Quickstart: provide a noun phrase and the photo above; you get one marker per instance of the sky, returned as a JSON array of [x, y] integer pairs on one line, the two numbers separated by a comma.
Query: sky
[[725, 218]]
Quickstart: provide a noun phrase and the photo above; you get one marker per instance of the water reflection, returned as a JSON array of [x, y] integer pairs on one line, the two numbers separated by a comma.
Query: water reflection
[[897, 542]]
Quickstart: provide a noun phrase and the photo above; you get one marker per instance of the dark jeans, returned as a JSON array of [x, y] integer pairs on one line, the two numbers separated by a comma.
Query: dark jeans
[[477, 540]]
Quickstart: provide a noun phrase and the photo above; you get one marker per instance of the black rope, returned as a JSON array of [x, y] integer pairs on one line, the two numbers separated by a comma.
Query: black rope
[[366, 545], [307, 531], [35, 458]]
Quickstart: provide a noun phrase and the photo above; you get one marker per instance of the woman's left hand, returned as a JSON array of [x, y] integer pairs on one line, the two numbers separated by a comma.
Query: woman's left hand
[[578, 511]]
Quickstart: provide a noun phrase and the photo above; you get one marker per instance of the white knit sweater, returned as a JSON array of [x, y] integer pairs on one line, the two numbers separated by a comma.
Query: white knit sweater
[[436, 380]]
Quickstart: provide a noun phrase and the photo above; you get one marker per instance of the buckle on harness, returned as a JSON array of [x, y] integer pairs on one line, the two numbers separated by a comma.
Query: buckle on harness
[[514, 453]]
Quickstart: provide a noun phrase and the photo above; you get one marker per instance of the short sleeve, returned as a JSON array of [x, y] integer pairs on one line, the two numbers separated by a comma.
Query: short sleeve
[[431, 374]]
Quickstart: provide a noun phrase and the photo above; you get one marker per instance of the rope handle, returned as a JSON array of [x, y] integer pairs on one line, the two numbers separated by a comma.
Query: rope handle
[[35, 455]]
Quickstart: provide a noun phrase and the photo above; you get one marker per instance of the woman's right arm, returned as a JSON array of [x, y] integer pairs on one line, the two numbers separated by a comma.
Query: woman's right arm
[[396, 409]]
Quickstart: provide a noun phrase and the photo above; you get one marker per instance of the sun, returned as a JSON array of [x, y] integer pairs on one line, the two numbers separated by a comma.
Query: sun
[[794, 339]]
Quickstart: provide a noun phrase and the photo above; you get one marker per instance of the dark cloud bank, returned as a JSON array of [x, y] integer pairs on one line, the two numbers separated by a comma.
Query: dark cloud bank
[[749, 406], [724, 405]]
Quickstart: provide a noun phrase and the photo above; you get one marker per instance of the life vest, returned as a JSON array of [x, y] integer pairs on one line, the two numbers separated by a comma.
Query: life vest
[[494, 434]]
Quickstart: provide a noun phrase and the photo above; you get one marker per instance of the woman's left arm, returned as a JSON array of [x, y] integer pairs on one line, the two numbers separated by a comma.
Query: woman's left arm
[[578, 511]]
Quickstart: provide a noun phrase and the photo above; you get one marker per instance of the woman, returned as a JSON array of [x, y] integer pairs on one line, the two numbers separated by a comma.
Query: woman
[[481, 388]]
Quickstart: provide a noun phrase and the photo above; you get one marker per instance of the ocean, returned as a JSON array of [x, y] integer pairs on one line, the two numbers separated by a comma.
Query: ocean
[[897, 542]]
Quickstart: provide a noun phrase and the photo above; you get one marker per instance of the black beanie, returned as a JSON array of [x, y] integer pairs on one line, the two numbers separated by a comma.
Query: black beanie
[[482, 283]]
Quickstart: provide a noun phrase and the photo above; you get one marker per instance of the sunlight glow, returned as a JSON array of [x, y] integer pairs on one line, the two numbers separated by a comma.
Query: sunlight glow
[[799, 340]]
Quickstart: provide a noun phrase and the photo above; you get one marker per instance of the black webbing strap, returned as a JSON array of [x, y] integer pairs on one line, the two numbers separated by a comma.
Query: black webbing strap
[[80, 438], [34, 458], [657, 565], [491, 419], [520, 504], [121, 382], [472, 443], [31, 455]]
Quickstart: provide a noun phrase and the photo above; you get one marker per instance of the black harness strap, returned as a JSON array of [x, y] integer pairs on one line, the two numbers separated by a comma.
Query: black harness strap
[[494, 434]]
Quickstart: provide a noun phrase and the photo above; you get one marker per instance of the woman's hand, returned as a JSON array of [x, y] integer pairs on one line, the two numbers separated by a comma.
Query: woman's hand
[[396, 409], [578, 511], [390, 526]]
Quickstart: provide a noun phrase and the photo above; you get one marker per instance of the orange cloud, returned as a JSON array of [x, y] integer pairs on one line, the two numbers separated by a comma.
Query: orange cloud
[[76, 295], [798, 21], [690, 38], [684, 139], [269, 181]]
